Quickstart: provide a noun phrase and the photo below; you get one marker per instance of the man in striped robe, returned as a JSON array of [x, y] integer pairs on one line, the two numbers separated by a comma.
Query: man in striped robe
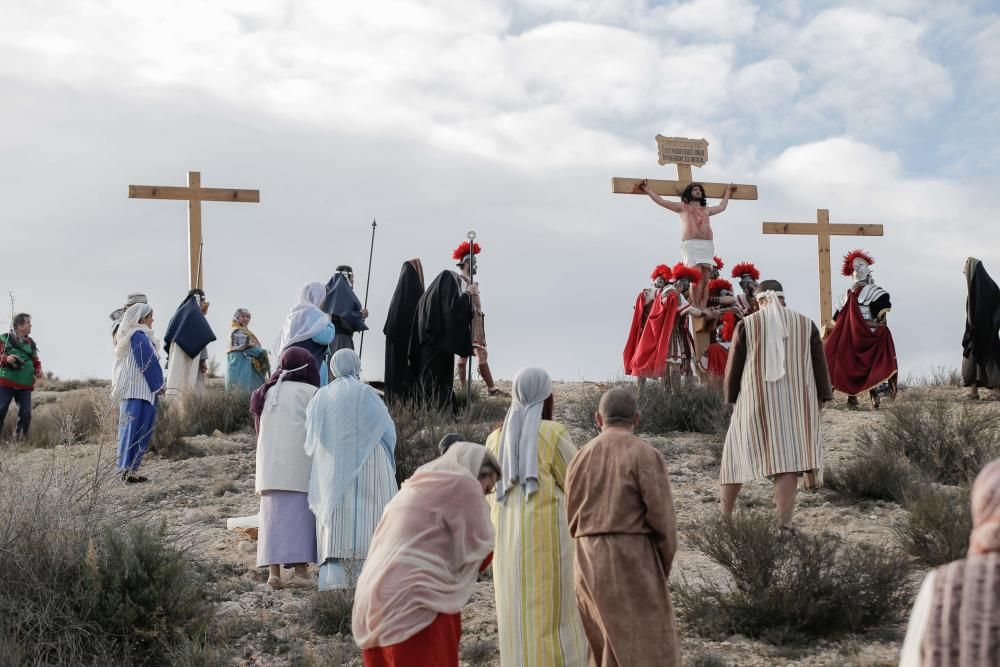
[[777, 379]]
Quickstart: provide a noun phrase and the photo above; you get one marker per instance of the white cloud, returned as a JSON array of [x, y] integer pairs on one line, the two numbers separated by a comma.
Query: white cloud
[[698, 20]]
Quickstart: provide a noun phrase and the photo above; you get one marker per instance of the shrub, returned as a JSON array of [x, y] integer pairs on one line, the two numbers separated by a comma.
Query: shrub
[[420, 426], [479, 652], [695, 408], [787, 588], [706, 659], [214, 409], [81, 582], [70, 420], [330, 611], [168, 435], [948, 446], [877, 473], [937, 528]]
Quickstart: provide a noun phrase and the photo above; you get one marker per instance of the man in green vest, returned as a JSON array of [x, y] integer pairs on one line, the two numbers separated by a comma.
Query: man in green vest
[[19, 367]]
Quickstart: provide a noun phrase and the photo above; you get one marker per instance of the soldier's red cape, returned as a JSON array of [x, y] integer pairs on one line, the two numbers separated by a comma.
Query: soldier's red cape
[[633, 333], [650, 357], [858, 358], [717, 357]]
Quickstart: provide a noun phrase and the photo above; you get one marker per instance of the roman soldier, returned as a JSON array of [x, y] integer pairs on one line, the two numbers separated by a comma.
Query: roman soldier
[[463, 255], [716, 269], [860, 352], [713, 362], [660, 276], [743, 302]]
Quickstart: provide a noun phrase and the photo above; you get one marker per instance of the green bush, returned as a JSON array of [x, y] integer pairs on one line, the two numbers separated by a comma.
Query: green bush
[[938, 525], [214, 409], [790, 588], [694, 408]]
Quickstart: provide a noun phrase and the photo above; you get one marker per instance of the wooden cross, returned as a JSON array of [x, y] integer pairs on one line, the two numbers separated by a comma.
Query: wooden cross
[[823, 230], [195, 195], [630, 186]]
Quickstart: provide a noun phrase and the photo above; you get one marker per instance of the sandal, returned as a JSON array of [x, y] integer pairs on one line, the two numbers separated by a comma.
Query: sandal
[[133, 479], [496, 391], [300, 582], [275, 583]]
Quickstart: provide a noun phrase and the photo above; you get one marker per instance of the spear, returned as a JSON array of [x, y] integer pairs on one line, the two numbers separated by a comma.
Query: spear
[[472, 279], [368, 283]]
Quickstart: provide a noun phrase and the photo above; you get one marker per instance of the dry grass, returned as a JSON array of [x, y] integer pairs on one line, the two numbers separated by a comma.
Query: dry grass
[[938, 525], [789, 589], [330, 612]]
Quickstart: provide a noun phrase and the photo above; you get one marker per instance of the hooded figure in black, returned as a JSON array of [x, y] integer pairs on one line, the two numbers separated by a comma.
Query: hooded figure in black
[[981, 342], [442, 330], [344, 308], [188, 334], [399, 376]]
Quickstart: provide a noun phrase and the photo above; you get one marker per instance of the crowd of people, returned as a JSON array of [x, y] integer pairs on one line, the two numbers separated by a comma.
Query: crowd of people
[[580, 541]]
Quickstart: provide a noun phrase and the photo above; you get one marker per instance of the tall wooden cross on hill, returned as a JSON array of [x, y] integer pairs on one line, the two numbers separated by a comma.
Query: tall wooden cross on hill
[[685, 153], [823, 230], [194, 194]]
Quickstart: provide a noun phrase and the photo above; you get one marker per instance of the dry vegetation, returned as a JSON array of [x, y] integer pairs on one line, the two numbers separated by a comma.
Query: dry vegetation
[[836, 595]]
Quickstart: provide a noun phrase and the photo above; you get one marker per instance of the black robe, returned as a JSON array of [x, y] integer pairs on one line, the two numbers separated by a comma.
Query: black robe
[[442, 329], [980, 344], [399, 376]]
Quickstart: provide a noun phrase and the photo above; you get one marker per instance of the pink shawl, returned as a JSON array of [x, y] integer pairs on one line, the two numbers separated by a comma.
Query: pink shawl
[[426, 553]]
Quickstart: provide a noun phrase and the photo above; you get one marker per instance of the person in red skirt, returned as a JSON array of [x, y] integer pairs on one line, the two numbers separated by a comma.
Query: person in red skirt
[[433, 540]]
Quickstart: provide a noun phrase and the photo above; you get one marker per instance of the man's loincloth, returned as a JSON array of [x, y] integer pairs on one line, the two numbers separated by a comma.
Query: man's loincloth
[[697, 251]]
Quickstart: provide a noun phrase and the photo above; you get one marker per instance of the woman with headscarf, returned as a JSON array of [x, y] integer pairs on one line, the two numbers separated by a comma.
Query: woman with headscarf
[[308, 327], [956, 617], [434, 539], [352, 441], [136, 381], [537, 616], [981, 342], [287, 527], [248, 366]]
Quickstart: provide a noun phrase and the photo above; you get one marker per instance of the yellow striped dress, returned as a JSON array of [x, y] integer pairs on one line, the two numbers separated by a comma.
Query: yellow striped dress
[[775, 426], [537, 617]]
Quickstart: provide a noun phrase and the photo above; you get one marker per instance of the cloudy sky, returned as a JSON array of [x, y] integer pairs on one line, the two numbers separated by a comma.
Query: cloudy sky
[[506, 117]]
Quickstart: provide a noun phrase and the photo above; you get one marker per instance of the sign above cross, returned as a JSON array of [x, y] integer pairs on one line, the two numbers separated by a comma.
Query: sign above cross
[[194, 194], [685, 153], [823, 230]]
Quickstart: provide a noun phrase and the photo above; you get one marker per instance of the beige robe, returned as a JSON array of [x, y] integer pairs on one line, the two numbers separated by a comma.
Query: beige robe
[[621, 513]]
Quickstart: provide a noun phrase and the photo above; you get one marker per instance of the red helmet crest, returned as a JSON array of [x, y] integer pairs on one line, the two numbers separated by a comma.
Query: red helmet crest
[[463, 250], [661, 271], [717, 285], [728, 326], [719, 264], [848, 268], [746, 269], [684, 272]]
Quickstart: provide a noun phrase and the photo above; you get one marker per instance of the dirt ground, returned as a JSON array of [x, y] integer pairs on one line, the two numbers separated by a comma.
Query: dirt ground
[[196, 496]]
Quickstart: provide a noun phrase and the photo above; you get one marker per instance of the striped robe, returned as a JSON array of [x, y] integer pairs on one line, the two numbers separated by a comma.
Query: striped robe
[[537, 616], [775, 426]]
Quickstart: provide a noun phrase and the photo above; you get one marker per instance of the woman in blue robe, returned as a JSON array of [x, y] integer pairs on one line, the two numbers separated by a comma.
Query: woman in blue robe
[[136, 381], [248, 365]]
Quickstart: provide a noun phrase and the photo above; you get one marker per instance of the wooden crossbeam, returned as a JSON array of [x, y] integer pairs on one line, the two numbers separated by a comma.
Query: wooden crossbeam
[[194, 194], [628, 186], [823, 230]]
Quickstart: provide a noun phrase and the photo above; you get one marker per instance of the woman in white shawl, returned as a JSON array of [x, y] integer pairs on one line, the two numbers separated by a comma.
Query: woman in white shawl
[[434, 539], [136, 381], [310, 328], [352, 441], [537, 615]]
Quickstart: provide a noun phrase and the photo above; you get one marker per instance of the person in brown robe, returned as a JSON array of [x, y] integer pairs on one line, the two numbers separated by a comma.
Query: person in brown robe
[[621, 515]]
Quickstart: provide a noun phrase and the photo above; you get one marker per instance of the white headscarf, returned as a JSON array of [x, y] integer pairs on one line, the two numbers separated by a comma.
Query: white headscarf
[[775, 334], [519, 435], [345, 421], [129, 325], [306, 320]]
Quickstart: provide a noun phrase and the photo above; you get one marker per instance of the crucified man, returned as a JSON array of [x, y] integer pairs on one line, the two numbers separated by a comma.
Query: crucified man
[[697, 248]]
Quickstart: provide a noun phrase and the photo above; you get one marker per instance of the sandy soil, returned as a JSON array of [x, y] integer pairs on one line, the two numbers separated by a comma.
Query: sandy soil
[[195, 496]]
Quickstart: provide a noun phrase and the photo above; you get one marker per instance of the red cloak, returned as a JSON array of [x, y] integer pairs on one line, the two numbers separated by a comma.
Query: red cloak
[[716, 356], [650, 357], [635, 331], [859, 359]]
